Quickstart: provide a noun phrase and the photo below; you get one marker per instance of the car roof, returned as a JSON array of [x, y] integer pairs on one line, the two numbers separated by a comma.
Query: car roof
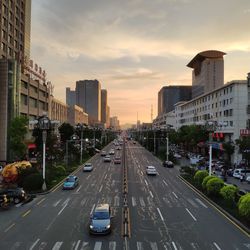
[[150, 167], [88, 163], [102, 207]]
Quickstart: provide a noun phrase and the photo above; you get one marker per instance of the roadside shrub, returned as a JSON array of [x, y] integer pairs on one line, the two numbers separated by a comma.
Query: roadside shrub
[[187, 170], [244, 206], [205, 180], [229, 193], [33, 182], [199, 177], [59, 171], [214, 186]]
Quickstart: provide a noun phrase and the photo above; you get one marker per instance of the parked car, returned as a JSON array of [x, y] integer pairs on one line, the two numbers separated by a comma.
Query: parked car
[[239, 171], [71, 182], [168, 164], [177, 156], [117, 160], [244, 176], [112, 152], [150, 170], [100, 220], [87, 167], [16, 195], [248, 179], [107, 158]]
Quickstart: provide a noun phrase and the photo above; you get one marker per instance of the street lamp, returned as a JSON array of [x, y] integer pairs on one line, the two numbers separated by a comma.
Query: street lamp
[[81, 126], [44, 124]]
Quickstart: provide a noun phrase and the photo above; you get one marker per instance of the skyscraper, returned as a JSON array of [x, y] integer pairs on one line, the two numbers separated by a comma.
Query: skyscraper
[[208, 71], [70, 97], [104, 102], [168, 96], [15, 28], [88, 96]]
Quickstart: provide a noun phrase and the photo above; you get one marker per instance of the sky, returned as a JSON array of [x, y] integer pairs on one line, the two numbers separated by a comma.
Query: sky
[[135, 47]]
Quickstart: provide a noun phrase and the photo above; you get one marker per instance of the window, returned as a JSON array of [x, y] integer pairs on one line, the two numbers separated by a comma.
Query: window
[[10, 51], [33, 103], [4, 34], [24, 85], [24, 100]]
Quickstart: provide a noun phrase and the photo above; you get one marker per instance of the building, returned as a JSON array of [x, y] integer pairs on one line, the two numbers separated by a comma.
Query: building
[[70, 97], [114, 123], [77, 115], [108, 117], [208, 71], [168, 96], [224, 110], [58, 110], [88, 97], [104, 107], [15, 29], [165, 121]]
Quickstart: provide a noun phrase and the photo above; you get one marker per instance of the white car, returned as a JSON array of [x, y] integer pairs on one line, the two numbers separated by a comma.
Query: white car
[[248, 179], [112, 152], [177, 156], [150, 170], [107, 158], [87, 167]]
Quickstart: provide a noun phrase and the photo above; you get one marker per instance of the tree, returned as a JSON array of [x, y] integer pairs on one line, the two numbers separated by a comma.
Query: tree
[[229, 193], [18, 130], [244, 146], [199, 177], [244, 206], [66, 131], [229, 149]]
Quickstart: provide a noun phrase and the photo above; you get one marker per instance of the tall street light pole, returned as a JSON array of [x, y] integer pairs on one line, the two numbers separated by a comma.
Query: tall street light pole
[[167, 151]]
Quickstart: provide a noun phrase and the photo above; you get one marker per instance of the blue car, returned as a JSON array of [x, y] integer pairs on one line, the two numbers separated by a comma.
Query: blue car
[[71, 182]]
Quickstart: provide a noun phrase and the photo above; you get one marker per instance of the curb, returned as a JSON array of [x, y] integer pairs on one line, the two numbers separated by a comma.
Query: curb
[[224, 212]]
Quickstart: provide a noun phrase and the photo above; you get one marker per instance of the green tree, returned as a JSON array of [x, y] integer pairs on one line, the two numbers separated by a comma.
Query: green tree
[[17, 132], [229, 193], [205, 180], [244, 206], [199, 177], [214, 186]]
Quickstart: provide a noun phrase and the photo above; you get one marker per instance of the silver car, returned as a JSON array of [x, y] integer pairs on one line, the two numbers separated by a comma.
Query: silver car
[[100, 220]]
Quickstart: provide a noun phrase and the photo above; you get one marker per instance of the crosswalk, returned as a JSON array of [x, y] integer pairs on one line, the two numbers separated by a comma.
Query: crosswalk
[[115, 245]]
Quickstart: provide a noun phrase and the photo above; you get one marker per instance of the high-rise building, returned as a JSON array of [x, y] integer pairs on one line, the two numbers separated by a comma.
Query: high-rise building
[[88, 96], [208, 71], [168, 96], [70, 97], [114, 123], [108, 117], [104, 102], [15, 29]]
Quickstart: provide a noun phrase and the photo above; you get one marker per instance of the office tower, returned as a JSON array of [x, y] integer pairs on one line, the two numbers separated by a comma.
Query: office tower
[[88, 96], [104, 101], [108, 117], [168, 96], [70, 97], [15, 28], [208, 71]]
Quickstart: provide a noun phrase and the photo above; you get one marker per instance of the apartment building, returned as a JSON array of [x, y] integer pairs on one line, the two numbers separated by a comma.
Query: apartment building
[[58, 110], [224, 110], [77, 115]]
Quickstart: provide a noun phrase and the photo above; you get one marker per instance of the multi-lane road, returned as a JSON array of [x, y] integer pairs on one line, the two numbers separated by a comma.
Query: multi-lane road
[[164, 213]]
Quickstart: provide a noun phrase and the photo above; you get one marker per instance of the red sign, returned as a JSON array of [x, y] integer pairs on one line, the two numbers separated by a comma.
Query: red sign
[[245, 132]]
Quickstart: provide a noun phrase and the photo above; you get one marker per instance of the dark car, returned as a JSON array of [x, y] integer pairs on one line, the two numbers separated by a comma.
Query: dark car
[[168, 164], [16, 195], [100, 220]]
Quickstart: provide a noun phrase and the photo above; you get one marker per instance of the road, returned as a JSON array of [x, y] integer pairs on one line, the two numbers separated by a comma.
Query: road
[[164, 213]]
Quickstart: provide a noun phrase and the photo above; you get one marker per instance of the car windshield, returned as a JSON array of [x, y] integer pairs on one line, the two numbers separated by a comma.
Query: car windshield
[[70, 179], [100, 215]]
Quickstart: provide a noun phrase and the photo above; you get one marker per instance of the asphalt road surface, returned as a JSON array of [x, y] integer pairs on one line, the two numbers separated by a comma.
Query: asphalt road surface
[[164, 213]]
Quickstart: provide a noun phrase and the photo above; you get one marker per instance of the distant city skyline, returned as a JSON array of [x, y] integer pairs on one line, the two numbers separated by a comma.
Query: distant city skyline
[[134, 48]]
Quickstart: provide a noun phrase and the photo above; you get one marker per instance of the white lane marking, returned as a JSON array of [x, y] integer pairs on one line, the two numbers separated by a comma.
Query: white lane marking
[[65, 205], [160, 214], [77, 245], [57, 245], [88, 177], [100, 188], [153, 245], [200, 202], [98, 245], [194, 245], [192, 203], [78, 189], [105, 176], [141, 173], [247, 245], [116, 201], [112, 245], [173, 244], [175, 195], [165, 183], [142, 202], [83, 201], [34, 244], [191, 214], [133, 201], [146, 182], [139, 245], [151, 194], [92, 209], [217, 247], [84, 244], [56, 203]]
